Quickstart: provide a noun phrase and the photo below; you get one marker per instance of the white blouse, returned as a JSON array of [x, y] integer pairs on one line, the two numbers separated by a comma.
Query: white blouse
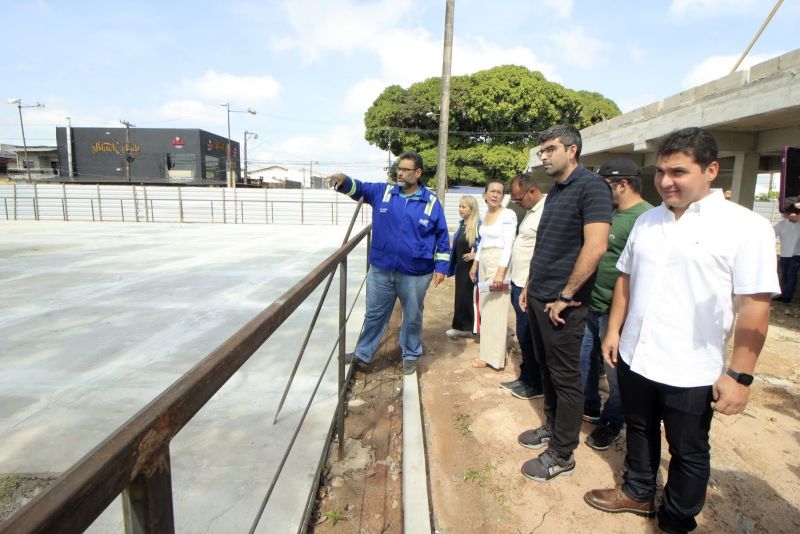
[[499, 234]]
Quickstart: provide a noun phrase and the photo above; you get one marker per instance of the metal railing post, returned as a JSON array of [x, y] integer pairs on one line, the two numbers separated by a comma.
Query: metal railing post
[[147, 501], [135, 203], [35, 202], [5, 202], [224, 208], [64, 196], [99, 203], [15, 202], [146, 213], [180, 203], [122, 210], [91, 203], [342, 340]]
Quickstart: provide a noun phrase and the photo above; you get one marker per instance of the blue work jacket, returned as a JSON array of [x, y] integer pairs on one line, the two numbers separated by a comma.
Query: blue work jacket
[[409, 235]]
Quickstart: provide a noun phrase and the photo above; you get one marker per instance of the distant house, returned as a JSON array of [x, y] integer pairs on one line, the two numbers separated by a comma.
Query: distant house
[[42, 161], [274, 176]]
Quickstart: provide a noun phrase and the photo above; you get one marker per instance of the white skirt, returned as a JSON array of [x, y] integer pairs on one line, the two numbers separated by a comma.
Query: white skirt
[[494, 308]]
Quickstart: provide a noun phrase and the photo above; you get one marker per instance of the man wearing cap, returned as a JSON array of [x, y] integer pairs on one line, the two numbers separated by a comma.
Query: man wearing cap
[[622, 175], [695, 269], [571, 238]]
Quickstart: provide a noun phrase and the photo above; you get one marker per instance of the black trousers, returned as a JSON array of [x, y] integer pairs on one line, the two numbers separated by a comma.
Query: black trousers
[[686, 413], [558, 351]]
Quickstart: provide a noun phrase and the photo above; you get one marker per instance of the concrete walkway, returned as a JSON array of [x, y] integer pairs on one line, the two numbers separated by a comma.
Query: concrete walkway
[[98, 318]]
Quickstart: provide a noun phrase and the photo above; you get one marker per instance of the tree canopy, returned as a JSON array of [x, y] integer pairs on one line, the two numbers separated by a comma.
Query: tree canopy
[[495, 117]]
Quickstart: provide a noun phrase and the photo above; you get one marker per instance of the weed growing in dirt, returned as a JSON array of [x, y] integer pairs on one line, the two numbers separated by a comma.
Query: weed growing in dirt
[[7, 485], [462, 423], [334, 516], [489, 480]]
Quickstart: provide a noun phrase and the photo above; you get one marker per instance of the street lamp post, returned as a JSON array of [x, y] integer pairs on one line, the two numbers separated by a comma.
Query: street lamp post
[[18, 102], [246, 135], [311, 173], [231, 179]]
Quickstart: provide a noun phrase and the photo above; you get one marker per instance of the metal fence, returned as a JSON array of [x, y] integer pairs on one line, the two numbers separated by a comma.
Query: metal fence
[[143, 203]]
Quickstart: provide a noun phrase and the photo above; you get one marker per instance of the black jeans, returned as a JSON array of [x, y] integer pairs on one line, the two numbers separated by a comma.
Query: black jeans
[[558, 350], [686, 413]]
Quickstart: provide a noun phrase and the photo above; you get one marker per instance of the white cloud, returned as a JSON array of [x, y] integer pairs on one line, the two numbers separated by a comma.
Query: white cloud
[[217, 87], [718, 66], [190, 111], [581, 49], [635, 102], [561, 8], [696, 7], [339, 25], [470, 54]]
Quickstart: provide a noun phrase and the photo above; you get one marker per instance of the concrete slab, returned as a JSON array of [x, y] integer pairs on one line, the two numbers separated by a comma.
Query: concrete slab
[[98, 318]]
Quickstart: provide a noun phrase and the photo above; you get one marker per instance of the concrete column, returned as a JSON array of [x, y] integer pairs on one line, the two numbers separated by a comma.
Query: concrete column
[[745, 170]]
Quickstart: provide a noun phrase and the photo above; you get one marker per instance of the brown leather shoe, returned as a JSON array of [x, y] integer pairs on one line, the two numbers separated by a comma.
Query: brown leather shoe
[[614, 500]]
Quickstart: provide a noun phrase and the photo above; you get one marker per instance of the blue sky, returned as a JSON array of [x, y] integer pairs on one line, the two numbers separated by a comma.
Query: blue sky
[[311, 68]]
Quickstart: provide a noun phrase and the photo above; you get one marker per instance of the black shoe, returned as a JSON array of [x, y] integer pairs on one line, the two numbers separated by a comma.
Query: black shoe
[[536, 438], [602, 437], [526, 392], [591, 415], [351, 358], [514, 384], [548, 466], [409, 366]]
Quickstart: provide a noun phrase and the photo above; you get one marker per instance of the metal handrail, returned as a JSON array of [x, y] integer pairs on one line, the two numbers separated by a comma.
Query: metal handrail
[[134, 460]]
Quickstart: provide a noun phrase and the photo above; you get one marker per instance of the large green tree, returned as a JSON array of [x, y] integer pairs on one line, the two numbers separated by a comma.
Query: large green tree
[[495, 117]]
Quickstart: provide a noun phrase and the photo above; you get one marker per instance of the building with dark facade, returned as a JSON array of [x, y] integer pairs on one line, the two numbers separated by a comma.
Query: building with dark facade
[[147, 155]]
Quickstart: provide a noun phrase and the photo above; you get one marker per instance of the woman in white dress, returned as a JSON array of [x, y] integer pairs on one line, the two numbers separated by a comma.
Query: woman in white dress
[[491, 262]]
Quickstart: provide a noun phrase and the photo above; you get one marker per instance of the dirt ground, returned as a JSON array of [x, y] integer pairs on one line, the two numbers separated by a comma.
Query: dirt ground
[[471, 428]]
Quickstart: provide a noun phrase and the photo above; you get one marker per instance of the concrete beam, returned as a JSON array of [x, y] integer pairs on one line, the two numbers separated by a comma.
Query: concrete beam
[[745, 170], [773, 141], [735, 141]]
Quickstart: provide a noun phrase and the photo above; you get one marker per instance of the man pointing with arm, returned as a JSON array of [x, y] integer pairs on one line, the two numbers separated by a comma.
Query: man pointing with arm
[[410, 247]]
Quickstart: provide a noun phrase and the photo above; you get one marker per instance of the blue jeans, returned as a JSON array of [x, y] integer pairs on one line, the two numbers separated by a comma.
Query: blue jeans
[[383, 289], [529, 371], [591, 360]]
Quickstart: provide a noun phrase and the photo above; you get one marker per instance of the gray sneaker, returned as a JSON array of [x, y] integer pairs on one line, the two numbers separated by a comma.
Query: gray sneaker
[[548, 466], [536, 438], [409, 367]]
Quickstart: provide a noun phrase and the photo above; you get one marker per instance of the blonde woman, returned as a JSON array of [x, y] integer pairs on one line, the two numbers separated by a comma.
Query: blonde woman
[[494, 253], [462, 253]]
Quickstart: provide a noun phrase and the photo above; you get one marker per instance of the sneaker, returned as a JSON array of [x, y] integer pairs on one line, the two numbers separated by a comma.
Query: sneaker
[[591, 415], [453, 333], [409, 367], [514, 384], [350, 358], [548, 466], [536, 438], [526, 392], [602, 437]]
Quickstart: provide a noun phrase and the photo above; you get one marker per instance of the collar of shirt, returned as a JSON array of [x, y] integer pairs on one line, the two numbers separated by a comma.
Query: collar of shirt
[[706, 205], [577, 171], [415, 194], [539, 205]]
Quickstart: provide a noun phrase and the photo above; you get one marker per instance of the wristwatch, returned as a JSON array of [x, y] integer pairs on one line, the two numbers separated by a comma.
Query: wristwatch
[[563, 298], [742, 378]]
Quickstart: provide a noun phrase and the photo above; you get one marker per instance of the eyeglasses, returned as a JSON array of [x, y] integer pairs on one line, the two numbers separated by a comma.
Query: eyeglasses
[[548, 150], [518, 200], [405, 169]]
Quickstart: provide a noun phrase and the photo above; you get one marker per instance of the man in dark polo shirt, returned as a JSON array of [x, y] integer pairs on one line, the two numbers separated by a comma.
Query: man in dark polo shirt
[[572, 237]]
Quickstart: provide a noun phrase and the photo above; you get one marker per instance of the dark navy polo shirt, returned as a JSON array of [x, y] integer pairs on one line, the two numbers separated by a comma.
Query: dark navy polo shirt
[[583, 198]]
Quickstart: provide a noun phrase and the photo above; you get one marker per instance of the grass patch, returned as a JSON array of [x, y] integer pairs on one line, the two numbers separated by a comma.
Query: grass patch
[[7, 485], [462, 423], [334, 516], [490, 481]]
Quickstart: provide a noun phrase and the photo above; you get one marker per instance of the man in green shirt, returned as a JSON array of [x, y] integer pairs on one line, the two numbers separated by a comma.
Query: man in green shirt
[[622, 175]]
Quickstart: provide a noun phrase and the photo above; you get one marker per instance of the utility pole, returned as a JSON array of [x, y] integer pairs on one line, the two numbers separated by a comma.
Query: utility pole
[[128, 157], [18, 103], [444, 110], [255, 136]]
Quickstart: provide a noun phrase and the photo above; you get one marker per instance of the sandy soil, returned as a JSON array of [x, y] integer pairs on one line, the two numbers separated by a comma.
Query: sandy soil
[[474, 458]]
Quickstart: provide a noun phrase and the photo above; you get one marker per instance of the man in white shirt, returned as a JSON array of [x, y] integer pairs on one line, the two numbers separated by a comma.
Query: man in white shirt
[[526, 194], [694, 270], [788, 233]]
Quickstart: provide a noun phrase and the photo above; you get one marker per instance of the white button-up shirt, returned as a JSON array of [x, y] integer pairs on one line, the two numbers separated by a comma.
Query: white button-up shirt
[[684, 275], [524, 243]]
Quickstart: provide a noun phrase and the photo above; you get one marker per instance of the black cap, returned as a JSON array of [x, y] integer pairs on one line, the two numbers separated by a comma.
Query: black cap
[[618, 167]]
